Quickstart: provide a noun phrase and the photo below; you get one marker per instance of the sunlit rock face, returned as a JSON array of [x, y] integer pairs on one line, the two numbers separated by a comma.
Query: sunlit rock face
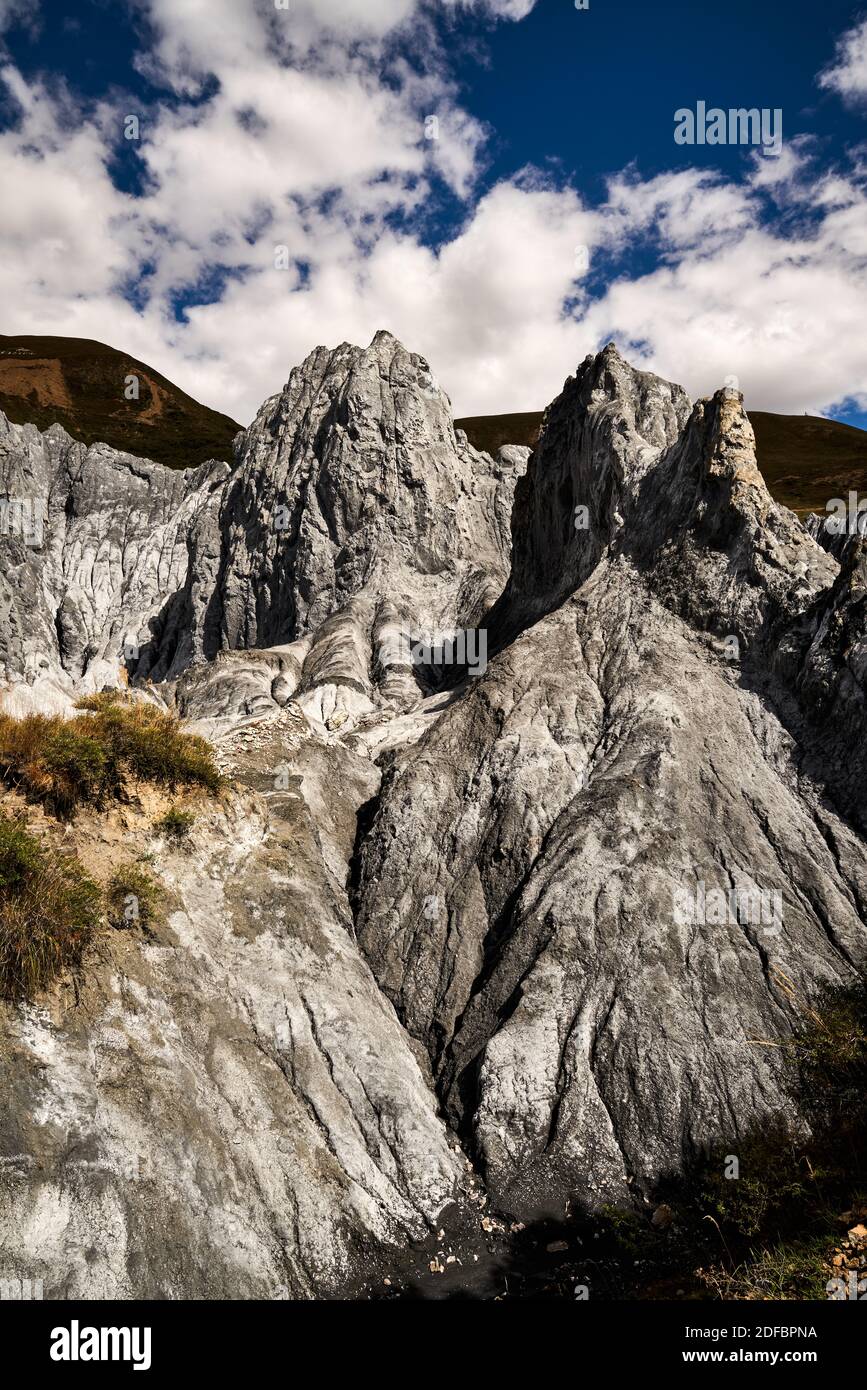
[[634, 821], [354, 513], [509, 927]]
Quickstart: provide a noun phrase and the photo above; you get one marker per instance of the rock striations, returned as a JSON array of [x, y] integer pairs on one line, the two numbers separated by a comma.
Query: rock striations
[[517, 932]]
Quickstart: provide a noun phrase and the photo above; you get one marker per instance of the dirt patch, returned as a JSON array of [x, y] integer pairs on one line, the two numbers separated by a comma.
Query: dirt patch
[[40, 379], [157, 402]]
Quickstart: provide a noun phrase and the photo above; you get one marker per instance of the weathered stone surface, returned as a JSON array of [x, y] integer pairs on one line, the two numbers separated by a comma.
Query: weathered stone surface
[[110, 541], [352, 506], [231, 1109], [584, 1040], [474, 885]]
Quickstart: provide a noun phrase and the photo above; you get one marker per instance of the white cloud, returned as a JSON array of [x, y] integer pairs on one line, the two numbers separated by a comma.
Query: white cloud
[[847, 76], [781, 312], [300, 114], [13, 10], [66, 232], [690, 208], [504, 9], [322, 154]]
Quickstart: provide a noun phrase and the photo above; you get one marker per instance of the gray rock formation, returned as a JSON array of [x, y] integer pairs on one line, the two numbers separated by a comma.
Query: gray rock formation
[[586, 1035], [546, 909], [354, 512], [90, 541], [229, 1109]]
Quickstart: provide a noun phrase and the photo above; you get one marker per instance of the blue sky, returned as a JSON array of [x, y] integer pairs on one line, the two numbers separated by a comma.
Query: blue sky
[[601, 86], [306, 130]]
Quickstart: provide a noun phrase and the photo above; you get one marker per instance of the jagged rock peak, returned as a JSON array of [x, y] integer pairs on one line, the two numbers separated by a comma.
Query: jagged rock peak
[[325, 372], [648, 728], [351, 490], [627, 460], [520, 867]]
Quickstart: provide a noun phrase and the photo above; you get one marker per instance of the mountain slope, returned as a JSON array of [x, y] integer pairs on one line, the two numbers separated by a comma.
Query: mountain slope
[[804, 459], [80, 384], [454, 951]]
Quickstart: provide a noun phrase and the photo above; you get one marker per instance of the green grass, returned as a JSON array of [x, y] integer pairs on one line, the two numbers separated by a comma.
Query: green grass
[[176, 824], [133, 897], [66, 763], [20, 856], [49, 911], [796, 1270]]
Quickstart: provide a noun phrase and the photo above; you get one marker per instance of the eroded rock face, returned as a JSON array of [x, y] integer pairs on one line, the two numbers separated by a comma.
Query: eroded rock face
[[352, 483], [230, 1108], [90, 542], [499, 909], [633, 744], [354, 513]]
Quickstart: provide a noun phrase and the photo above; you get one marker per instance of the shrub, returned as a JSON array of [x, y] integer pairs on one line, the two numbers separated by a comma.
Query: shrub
[[150, 743], [20, 856], [103, 699], [66, 762], [828, 1059], [133, 897], [774, 1230], [49, 910], [176, 824], [774, 1180], [76, 764]]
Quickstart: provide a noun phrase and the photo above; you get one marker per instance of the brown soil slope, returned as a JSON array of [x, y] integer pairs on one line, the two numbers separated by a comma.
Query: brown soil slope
[[81, 384]]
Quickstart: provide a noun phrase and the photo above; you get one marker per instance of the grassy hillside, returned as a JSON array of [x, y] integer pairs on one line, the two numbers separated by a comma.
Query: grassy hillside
[[80, 384], [805, 460]]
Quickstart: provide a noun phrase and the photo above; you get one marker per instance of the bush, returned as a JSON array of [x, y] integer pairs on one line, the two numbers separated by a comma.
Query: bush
[[20, 856], [779, 1222], [176, 824], [774, 1181], [133, 897], [102, 700], [828, 1058], [150, 743], [773, 1231], [76, 765], [67, 762], [49, 910]]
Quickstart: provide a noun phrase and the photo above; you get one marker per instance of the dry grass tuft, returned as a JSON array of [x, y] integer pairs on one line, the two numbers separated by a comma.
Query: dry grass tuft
[[49, 910], [65, 763]]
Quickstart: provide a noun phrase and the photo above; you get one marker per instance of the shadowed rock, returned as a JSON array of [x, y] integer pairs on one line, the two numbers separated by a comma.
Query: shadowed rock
[[560, 909], [585, 1033]]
